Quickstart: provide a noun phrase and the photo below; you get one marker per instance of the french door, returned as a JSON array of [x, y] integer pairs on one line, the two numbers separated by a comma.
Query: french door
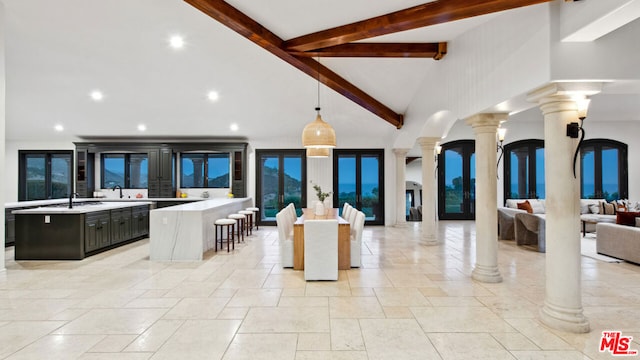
[[359, 180], [524, 170], [604, 170], [457, 181], [281, 179]]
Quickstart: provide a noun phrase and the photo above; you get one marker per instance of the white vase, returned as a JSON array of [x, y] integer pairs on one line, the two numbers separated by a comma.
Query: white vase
[[319, 208], [328, 203]]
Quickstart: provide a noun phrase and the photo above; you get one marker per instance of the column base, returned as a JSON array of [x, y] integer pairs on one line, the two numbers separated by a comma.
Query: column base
[[400, 224], [565, 319], [487, 274], [429, 240]]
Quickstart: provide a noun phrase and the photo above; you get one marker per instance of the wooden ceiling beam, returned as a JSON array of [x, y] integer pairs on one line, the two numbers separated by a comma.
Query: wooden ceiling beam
[[385, 50], [252, 30], [432, 13]]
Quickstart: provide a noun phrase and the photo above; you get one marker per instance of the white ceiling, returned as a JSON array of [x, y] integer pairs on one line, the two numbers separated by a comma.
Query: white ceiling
[[57, 52]]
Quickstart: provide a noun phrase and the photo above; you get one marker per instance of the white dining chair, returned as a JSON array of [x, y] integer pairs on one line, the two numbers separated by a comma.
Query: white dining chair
[[321, 249], [285, 238], [346, 210], [356, 240]]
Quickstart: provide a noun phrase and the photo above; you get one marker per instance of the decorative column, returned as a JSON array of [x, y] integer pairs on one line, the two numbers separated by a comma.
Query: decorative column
[[401, 186], [562, 307], [485, 127], [429, 187]]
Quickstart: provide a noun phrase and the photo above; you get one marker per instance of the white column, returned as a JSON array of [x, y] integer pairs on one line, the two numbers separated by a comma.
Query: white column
[[562, 307], [485, 127], [429, 188], [401, 186]]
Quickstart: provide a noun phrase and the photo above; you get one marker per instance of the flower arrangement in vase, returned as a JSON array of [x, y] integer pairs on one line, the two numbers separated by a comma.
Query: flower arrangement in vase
[[320, 206]]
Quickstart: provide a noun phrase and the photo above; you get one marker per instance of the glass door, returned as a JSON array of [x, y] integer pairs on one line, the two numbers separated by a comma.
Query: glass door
[[524, 170], [359, 180], [281, 179], [457, 181]]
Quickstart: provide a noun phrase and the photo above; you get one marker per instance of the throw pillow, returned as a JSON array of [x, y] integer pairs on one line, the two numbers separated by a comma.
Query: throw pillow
[[537, 206], [525, 205], [627, 218], [594, 208], [607, 209]]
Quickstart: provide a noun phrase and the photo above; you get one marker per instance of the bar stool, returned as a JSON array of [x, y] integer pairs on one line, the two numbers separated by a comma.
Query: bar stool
[[221, 224], [249, 222], [240, 219], [255, 214]]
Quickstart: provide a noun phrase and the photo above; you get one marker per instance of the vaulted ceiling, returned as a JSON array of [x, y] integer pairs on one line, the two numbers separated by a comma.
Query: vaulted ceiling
[[58, 52]]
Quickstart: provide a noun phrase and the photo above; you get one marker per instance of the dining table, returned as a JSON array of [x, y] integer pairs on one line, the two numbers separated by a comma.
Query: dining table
[[344, 232]]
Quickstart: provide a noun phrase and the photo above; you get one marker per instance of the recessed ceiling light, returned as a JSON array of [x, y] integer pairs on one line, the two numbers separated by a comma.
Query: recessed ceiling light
[[234, 127], [213, 95], [58, 127], [142, 127], [176, 42], [96, 95]]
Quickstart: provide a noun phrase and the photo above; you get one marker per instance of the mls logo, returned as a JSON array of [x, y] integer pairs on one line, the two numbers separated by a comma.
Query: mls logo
[[616, 344]]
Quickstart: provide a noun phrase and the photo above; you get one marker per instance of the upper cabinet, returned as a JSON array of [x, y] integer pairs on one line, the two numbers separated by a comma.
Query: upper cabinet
[[84, 173], [161, 169], [162, 166]]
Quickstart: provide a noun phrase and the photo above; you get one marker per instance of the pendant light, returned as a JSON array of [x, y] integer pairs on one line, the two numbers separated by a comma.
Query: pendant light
[[318, 133], [318, 152]]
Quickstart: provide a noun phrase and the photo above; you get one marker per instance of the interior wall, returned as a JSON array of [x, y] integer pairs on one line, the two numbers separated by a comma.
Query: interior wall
[[3, 179]]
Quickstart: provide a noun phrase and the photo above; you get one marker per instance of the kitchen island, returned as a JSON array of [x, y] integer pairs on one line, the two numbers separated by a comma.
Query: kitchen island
[[9, 217], [185, 232], [57, 232]]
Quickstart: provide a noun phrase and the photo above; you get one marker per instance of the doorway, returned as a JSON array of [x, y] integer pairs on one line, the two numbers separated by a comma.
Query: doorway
[[281, 179], [457, 181], [359, 180]]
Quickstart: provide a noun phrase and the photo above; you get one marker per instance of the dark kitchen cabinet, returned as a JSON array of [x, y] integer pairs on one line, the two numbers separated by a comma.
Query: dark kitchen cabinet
[[9, 227], [97, 231], [120, 225], [85, 184], [140, 221], [161, 173]]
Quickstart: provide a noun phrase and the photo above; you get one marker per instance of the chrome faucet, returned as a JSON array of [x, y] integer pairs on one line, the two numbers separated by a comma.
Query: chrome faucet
[[71, 199], [118, 187]]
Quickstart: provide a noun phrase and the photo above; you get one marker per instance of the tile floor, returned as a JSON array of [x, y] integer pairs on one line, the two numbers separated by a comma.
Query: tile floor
[[408, 301]]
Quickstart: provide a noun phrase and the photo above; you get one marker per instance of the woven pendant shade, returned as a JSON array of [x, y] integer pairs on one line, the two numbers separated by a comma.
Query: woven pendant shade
[[318, 152], [318, 134]]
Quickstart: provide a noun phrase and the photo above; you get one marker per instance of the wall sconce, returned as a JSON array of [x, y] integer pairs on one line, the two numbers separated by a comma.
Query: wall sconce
[[574, 129], [502, 132], [438, 149]]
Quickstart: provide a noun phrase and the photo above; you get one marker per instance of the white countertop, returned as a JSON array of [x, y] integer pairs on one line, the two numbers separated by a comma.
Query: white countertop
[[79, 208], [35, 203], [202, 205]]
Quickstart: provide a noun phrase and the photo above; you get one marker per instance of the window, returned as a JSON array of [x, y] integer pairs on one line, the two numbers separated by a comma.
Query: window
[[205, 170], [524, 170], [129, 171], [457, 181], [359, 180], [44, 175], [603, 170], [281, 177]]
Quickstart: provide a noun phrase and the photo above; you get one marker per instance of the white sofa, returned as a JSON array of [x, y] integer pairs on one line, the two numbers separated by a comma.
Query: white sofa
[[506, 225], [619, 241]]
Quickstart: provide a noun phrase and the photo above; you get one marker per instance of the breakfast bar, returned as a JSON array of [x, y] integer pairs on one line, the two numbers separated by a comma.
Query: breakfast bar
[[185, 232]]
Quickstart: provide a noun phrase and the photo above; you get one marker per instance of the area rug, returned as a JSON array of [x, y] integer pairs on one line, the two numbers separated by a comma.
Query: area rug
[[588, 249]]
